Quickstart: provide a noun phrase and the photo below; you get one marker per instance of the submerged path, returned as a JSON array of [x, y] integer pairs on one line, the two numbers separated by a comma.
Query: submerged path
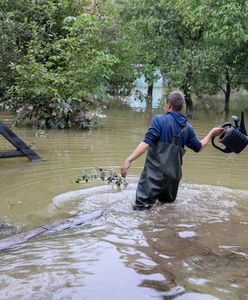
[[20, 238]]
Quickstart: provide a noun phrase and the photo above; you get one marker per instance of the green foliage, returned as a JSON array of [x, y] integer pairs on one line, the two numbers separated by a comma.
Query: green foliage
[[68, 57], [63, 80], [224, 39], [60, 58], [140, 25], [124, 72], [198, 45], [20, 22]]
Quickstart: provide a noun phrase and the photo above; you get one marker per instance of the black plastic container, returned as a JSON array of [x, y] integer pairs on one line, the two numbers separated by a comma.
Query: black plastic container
[[234, 138]]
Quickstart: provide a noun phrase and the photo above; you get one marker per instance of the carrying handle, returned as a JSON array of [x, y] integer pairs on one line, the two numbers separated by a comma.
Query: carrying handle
[[225, 150]]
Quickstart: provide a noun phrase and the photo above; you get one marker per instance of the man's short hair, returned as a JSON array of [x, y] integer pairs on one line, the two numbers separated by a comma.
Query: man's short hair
[[176, 99]]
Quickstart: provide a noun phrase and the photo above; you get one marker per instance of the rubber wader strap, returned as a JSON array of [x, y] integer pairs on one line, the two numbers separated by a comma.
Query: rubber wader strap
[[176, 139]]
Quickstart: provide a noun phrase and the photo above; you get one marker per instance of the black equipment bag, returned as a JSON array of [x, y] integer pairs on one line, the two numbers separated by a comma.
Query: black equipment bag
[[162, 173]]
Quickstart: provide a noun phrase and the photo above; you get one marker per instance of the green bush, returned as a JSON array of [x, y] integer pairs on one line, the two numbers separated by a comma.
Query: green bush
[[63, 81]]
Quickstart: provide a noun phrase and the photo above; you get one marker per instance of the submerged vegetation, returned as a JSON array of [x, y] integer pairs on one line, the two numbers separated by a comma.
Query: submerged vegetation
[[60, 60]]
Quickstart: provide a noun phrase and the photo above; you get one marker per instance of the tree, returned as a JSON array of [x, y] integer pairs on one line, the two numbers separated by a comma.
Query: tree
[[22, 21], [14, 36], [137, 33], [121, 81], [162, 41], [190, 41], [225, 39], [64, 75]]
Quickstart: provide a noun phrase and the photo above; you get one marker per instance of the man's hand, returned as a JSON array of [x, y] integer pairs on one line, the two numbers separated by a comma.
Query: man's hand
[[212, 133], [124, 168], [216, 131], [140, 149]]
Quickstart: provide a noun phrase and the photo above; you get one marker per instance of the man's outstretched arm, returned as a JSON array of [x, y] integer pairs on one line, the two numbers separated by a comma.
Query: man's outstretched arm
[[141, 149], [212, 133]]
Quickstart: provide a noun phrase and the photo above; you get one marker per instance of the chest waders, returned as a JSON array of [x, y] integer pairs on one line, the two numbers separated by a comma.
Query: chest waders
[[161, 175]]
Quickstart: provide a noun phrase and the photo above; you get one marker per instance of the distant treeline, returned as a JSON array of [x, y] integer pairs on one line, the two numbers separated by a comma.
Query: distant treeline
[[61, 59]]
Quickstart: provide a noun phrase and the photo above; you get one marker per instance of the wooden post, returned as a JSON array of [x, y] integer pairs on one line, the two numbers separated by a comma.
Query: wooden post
[[22, 149]]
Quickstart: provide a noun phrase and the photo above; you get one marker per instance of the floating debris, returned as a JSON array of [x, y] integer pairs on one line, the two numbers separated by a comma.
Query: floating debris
[[41, 133]]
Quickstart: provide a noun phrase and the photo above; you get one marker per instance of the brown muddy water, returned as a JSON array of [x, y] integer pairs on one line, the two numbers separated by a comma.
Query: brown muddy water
[[195, 248]]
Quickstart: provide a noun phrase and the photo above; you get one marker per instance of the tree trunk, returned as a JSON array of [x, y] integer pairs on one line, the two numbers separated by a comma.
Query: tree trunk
[[189, 103], [227, 95], [187, 94], [149, 99]]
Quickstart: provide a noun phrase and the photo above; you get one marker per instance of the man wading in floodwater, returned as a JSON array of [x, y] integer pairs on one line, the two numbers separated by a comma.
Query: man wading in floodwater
[[165, 141]]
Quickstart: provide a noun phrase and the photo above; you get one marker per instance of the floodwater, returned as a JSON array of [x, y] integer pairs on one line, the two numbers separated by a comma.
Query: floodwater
[[195, 248]]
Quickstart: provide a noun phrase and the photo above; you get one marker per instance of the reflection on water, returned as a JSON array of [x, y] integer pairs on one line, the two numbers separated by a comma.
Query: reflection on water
[[195, 248]]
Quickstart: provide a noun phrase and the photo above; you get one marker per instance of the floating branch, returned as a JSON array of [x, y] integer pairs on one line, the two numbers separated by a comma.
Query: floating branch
[[77, 220], [108, 175]]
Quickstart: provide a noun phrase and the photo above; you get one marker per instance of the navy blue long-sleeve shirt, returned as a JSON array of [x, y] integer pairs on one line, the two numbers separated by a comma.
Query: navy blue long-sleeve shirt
[[164, 127]]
